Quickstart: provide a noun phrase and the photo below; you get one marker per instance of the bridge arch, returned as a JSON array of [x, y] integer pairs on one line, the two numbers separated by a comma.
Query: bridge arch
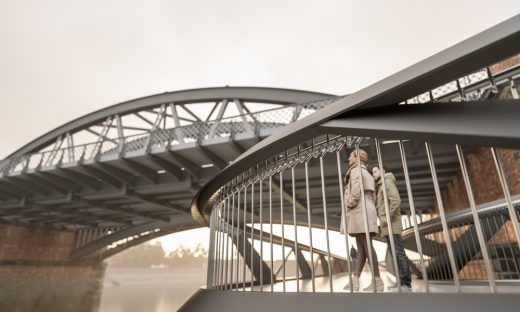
[[142, 163]]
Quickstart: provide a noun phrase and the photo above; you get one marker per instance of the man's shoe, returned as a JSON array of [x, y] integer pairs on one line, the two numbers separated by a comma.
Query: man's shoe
[[404, 288], [355, 284]]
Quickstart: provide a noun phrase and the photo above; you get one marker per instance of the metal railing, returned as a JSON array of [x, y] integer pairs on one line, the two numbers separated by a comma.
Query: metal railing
[[297, 187]]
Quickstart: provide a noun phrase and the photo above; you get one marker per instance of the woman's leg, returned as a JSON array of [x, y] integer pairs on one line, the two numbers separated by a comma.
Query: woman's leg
[[375, 269], [361, 254], [361, 241]]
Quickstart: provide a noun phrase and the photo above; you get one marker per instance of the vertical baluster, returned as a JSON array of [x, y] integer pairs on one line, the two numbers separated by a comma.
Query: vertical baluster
[[498, 227], [232, 282], [226, 272], [252, 232], [388, 217], [283, 230], [209, 279], [457, 233], [508, 240], [211, 252], [215, 248], [223, 243], [295, 229], [445, 228], [244, 240], [441, 248], [493, 243], [271, 229], [261, 237], [476, 220], [309, 225], [331, 286], [238, 238], [344, 220], [512, 214], [365, 217], [217, 271], [473, 241]]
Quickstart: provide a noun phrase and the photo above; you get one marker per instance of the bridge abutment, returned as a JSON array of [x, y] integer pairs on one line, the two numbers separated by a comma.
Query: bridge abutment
[[37, 274]]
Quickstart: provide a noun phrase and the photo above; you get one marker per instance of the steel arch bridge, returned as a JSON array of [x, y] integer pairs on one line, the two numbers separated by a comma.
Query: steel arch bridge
[[128, 173]]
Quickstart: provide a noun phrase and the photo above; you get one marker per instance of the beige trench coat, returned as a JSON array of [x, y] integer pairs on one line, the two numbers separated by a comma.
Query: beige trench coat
[[353, 211]]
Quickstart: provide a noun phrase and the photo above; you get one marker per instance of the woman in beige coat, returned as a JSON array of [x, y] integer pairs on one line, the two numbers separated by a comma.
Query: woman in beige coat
[[353, 212]]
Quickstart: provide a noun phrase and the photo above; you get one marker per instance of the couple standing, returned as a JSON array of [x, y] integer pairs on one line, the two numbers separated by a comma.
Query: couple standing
[[373, 199]]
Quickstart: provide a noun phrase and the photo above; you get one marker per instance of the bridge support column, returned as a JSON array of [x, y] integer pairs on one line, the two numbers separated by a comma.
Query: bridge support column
[[36, 273]]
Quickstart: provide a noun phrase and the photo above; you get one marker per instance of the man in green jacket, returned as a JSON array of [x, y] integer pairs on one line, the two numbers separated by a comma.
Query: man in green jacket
[[394, 207]]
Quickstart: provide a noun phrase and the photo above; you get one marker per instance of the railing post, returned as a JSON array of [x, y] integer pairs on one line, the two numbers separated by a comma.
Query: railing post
[[414, 215], [310, 225], [283, 229], [388, 217], [251, 269], [271, 228], [449, 247], [505, 188], [365, 217], [261, 235], [295, 229], [244, 238], [344, 221], [238, 236], [326, 223]]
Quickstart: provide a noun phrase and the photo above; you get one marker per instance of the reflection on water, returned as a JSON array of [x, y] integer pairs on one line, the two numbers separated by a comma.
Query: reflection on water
[[151, 290]]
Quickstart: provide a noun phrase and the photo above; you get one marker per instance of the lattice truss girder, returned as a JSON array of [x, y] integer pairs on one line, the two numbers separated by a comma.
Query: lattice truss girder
[[140, 165]]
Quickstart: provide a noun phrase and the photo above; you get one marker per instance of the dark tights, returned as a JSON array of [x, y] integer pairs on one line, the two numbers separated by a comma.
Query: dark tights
[[362, 255]]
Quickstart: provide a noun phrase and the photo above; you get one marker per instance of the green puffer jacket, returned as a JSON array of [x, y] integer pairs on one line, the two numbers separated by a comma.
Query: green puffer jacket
[[394, 205]]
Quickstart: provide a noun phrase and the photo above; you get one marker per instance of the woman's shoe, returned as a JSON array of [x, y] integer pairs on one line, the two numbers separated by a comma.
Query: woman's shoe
[[355, 284], [380, 286]]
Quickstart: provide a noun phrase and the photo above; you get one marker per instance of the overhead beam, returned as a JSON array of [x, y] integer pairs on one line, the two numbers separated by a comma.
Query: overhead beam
[[146, 172], [173, 170], [49, 184], [134, 212], [31, 185], [4, 186], [192, 168], [80, 178], [148, 199], [16, 185], [467, 122], [214, 158], [63, 182], [96, 173], [116, 172]]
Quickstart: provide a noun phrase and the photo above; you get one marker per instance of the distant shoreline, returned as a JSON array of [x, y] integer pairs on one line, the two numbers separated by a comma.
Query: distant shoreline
[[132, 276]]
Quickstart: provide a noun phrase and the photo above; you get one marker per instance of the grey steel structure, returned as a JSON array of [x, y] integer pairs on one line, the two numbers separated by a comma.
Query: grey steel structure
[[121, 189], [424, 119], [142, 163]]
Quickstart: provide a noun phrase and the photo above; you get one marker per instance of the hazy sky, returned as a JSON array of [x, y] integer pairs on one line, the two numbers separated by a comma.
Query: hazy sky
[[61, 59]]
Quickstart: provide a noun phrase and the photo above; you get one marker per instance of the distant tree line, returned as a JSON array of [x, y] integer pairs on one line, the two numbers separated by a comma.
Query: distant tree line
[[153, 254]]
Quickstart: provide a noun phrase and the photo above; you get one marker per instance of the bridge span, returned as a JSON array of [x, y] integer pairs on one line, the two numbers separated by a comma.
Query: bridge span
[[128, 173]]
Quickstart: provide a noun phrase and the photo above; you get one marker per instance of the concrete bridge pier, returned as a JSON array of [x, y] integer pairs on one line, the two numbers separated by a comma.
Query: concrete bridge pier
[[36, 273]]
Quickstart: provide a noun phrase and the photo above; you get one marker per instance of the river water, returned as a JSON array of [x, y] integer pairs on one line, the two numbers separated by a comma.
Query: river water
[[150, 290]]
